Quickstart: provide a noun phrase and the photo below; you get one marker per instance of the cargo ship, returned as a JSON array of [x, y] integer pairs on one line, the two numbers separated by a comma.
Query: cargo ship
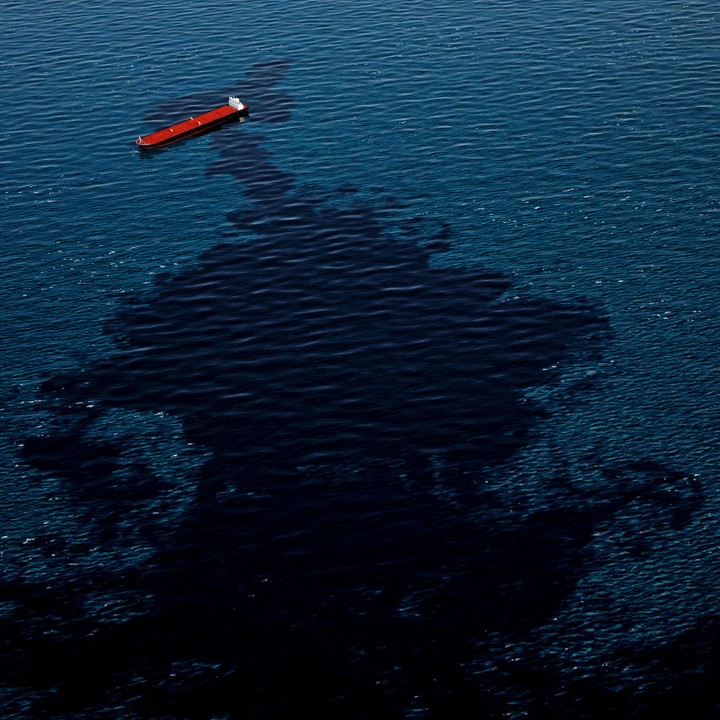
[[193, 126]]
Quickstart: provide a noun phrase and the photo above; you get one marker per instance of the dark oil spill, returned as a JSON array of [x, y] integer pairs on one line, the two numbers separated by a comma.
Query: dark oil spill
[[342, 553]]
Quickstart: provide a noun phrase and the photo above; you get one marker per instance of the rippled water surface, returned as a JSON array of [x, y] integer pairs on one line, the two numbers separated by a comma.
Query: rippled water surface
[[394, 399]]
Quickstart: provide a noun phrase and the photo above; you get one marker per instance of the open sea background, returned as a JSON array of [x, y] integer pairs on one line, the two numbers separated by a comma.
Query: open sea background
[[396, 399]]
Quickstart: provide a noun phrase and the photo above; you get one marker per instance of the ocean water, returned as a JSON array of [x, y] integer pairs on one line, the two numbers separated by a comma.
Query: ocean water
[[395, 399]]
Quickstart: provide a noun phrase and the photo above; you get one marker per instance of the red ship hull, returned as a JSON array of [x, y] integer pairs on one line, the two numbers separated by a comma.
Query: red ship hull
[[192, 126]]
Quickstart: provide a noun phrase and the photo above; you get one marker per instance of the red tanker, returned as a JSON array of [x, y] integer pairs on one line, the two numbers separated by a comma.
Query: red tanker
[[193, 126]]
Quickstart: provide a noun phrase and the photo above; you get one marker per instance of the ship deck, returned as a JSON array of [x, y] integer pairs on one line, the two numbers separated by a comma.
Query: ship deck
[[187, 127]]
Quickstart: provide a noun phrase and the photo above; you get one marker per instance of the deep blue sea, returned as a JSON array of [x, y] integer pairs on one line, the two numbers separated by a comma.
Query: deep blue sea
[[395, 399]]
